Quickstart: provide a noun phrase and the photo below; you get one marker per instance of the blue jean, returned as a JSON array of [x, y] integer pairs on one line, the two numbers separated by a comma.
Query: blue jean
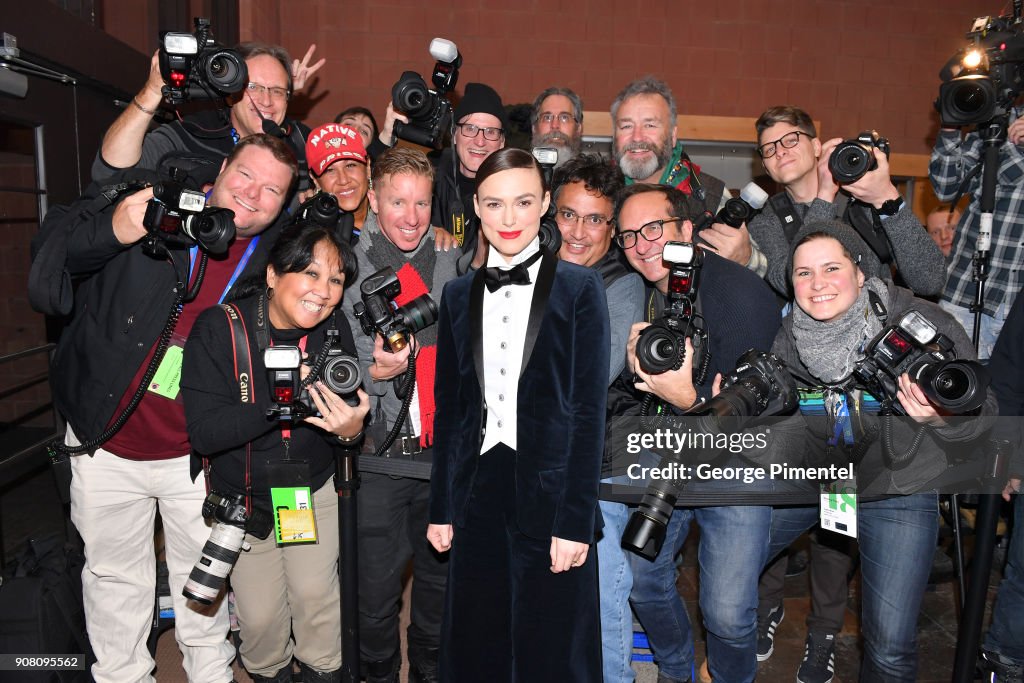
[[990, 325], [615, 578], [897, 541], [733, 547], [1006, 635]]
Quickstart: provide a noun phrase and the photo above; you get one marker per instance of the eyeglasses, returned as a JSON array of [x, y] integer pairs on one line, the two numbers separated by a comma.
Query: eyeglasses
[[564, 118], [261, 90], [468, 130], [649, 231], [570, 218], [789, 141]]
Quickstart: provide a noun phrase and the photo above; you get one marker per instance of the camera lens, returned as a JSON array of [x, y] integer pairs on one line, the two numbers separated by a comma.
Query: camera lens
[[226, 72], [322, 209], [958, 386], [967, 99], [849, 161], [218, 559], [418, 314], [659, 350], [645, 532], [411, 96], [213, 229], [341, 375]]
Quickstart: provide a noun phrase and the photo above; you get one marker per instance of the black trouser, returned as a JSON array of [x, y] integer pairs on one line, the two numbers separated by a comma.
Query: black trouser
[[508, 617], [392, 529]]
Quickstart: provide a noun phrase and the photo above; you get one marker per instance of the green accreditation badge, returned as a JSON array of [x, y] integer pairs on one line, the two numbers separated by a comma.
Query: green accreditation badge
[[294, 521], [167, 380], [839, 507]]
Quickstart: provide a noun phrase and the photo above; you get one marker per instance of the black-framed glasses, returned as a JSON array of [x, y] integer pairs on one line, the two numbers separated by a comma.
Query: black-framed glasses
[[564, 118], [260, 90], [469, 130], [570, 218], [789, 141], [649, 231]]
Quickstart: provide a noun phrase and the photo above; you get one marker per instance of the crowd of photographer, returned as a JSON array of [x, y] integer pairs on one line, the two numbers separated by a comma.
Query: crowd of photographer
[[511, 315]]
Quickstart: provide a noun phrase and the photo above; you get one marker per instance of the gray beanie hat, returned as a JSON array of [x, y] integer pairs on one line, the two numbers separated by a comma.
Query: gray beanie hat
[[863, 256]]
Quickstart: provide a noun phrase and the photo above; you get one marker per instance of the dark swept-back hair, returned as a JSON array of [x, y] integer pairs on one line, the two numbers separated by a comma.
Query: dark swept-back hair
[[683, 205], [794, 116], [596, 174], [507, 159], [364, 112], [293, 252]]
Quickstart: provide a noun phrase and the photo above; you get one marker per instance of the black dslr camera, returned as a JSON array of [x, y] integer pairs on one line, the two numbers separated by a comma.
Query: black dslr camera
[[914, 346], [337, 369], [982, 80], [378, 313], [851, 159], [231, 521], [662, 346], [429, 111], [737, 210], [194, 67], [760, 385], [179, 217]]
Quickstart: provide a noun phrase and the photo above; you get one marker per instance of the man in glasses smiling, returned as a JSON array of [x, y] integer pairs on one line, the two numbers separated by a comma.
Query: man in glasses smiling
[[740, 312], [557, 120], [794, 158], [211, 133], [480, 126]]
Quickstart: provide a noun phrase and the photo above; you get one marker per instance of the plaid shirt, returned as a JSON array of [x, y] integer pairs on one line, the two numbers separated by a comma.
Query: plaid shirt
[[951, 160]]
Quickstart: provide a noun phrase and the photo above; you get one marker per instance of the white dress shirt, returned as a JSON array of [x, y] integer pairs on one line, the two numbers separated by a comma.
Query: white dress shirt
[[506, 313]]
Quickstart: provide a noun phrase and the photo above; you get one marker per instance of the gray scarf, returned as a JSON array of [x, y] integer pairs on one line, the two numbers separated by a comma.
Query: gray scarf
[[830, 349]]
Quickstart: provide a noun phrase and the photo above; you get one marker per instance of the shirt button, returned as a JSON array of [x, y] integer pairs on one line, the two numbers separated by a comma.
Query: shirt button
[[504, 319], [501, 397], [508, 295], [504, 345], [502, 371], [499, 424]]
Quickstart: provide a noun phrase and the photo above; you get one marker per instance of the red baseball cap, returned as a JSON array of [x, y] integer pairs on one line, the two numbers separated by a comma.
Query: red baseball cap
[[333, 142]]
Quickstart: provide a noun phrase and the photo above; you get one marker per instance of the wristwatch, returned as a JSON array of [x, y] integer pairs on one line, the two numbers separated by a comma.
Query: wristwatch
[[890, 207]]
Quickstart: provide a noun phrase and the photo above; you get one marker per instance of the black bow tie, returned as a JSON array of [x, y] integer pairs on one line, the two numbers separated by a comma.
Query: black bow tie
[[495, 278]]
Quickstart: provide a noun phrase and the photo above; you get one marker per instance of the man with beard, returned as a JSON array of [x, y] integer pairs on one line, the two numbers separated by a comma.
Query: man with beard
[[647, 151], [557, 120]]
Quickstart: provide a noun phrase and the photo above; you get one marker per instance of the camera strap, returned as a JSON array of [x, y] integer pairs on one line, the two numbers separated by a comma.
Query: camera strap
[[865, 220], [783, 207], [243, 374]]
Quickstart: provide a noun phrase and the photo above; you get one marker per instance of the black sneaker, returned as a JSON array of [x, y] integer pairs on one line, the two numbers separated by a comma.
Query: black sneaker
[[1001, 669], [766, 626], [819, 665]]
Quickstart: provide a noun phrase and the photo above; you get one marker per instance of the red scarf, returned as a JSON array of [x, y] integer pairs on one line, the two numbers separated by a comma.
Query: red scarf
[[426, 356]]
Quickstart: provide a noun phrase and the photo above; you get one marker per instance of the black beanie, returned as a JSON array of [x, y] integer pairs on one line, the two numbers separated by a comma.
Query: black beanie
[[863, 256], [481, 99]]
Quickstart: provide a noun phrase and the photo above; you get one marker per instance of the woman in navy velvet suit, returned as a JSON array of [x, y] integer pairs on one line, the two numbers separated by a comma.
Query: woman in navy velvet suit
[[520, 393]]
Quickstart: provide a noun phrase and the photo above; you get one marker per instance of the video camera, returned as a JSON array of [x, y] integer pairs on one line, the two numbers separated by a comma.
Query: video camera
[[336, 368], [661, 346], [914, 346], [981, 81], [429, 111], [759, 386], [179, 217], [194, 67], [231, 521], [853, 158], [737, 210], [378, 313]]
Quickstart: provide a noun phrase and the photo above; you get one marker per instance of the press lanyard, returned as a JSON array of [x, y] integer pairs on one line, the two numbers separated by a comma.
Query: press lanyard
[[194, 252]]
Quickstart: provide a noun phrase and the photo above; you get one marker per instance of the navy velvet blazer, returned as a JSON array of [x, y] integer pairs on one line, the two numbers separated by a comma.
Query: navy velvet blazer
[[560, 408]]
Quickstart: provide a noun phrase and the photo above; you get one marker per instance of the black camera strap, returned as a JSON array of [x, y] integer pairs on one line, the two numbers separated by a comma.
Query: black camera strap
[[243, 374], [783, 207]]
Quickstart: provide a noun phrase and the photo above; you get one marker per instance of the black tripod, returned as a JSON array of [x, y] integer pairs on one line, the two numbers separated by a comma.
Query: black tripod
[[346, 482], [974, 591]]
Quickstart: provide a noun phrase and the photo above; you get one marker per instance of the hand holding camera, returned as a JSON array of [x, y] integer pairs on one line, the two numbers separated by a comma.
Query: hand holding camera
[[128, 217], [674, 386], [338, 416]]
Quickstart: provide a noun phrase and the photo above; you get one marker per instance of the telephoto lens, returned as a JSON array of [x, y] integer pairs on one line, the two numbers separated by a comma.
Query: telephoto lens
[[218, 559], [418, 314], [659, 349], [958, 386]]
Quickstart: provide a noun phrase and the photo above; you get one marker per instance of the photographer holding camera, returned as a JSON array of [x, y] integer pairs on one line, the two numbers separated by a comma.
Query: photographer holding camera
[[260, 107], [393, 509], [825, 342], [282, 590], [794, 157], [739, 312], [120, 320]]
